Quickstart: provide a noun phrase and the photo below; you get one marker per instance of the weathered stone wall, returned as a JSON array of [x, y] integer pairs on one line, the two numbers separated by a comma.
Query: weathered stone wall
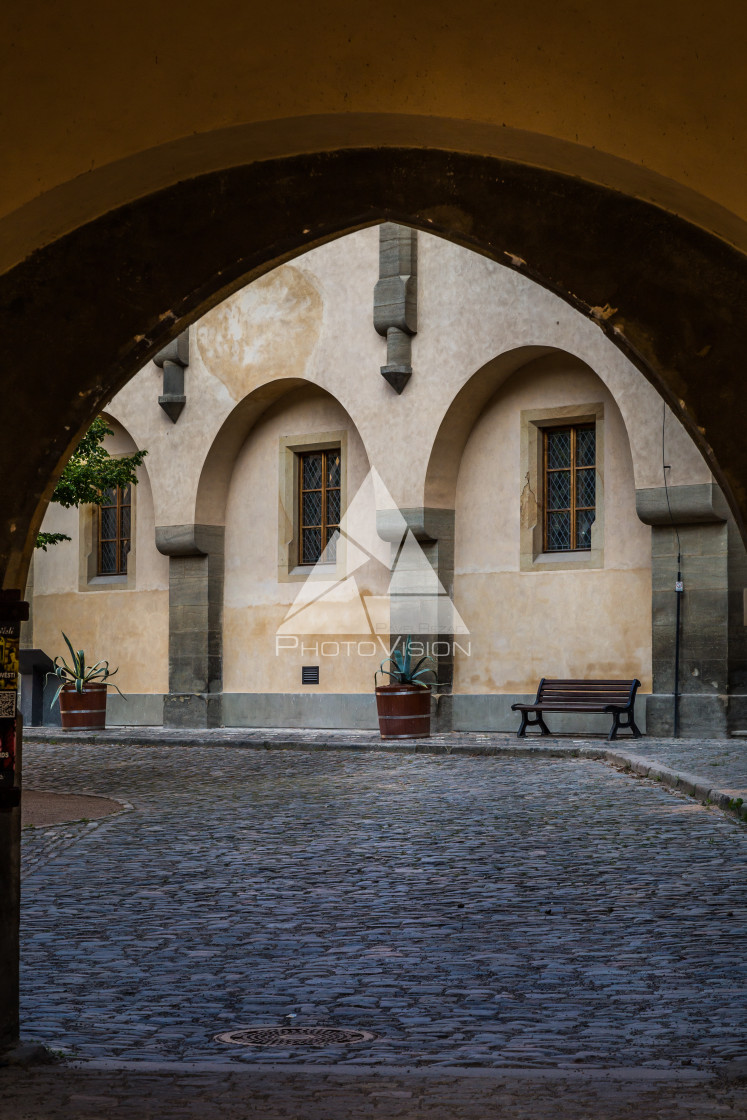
[[694, 539]]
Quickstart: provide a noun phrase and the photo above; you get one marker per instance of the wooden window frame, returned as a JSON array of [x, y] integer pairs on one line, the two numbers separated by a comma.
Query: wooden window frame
[[120, 539], [326, 528], [574, 509]]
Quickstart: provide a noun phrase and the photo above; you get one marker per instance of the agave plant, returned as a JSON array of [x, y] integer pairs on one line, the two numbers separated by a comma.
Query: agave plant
[[79, 673], [405, 670]]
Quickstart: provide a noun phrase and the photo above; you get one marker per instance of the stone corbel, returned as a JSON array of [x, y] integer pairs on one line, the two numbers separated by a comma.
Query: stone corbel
[[173, 360], [395, 313], [681, 505], [189, 540], [426, 524]]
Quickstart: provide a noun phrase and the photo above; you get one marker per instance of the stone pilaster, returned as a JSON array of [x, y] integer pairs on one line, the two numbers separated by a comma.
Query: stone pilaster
[[737, 571], [699, 515], [196, 577]]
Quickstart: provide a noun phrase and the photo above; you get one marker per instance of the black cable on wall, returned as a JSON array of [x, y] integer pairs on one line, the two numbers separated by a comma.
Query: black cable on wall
[[678, 587]]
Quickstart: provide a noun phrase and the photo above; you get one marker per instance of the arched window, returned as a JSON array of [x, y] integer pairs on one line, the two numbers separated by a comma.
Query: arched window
[[570, 487], [114, 532], [319, 513]]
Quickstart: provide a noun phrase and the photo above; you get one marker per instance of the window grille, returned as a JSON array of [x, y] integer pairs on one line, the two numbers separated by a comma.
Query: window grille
[[570, 487], [114, 539], [319, 509]]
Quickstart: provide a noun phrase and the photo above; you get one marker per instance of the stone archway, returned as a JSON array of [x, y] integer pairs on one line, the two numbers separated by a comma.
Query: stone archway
[[557, 145], [83, 313], [97, 303]]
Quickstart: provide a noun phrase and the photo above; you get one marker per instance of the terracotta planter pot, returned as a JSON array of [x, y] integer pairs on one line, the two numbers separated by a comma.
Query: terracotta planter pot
[[83, 711], [404, 711]]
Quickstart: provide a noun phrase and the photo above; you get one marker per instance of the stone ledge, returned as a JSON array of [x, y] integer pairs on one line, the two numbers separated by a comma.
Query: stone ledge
[[350, 1073], [691, 784]]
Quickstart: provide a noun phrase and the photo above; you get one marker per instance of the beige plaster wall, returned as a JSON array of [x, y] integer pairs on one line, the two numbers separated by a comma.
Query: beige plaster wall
[[472, 310], [313, 320], [526, 625], [56, 571], [268, 329], [256, 602], [469, 310], [127, 627], [130, 630]]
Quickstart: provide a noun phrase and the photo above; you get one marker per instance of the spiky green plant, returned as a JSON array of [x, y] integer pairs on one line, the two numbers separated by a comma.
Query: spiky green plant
[[79, 673], [405, 670]]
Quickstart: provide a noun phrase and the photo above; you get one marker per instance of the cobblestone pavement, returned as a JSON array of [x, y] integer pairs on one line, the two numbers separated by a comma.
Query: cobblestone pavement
[[723, 762], [471, 912]]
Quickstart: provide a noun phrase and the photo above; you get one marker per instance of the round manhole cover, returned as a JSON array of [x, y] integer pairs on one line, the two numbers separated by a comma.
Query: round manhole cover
[[294, 1036]]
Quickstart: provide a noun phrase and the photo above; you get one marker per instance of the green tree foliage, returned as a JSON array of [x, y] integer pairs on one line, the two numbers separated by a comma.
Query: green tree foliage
[[89, 473]]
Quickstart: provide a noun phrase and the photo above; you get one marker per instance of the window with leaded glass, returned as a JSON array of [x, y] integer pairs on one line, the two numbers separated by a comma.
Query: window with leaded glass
[[115, 517], [570, 487], [319, 515]]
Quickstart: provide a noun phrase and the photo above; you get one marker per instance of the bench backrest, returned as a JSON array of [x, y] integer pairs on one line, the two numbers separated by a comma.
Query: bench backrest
[[587, 692]]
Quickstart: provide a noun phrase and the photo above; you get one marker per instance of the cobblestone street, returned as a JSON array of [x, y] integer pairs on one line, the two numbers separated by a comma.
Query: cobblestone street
[[490, 912]]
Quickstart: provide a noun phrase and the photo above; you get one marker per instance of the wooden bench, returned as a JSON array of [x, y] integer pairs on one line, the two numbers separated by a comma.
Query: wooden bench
[[615, 697]]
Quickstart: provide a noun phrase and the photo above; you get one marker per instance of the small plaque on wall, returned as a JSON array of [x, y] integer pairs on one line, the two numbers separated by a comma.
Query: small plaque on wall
[[8, 704]]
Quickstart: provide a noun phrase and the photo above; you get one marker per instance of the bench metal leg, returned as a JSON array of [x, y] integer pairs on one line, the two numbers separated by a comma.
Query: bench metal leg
[[527, 722], [617, 724]]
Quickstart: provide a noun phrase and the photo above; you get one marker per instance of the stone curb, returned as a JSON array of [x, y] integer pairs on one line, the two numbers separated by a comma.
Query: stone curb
[[26, 1054], [691, 784], [433, 745], [242, 1068]]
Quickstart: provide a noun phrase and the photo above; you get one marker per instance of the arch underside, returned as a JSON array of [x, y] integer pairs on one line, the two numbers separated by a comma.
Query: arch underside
[[82, 315]]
